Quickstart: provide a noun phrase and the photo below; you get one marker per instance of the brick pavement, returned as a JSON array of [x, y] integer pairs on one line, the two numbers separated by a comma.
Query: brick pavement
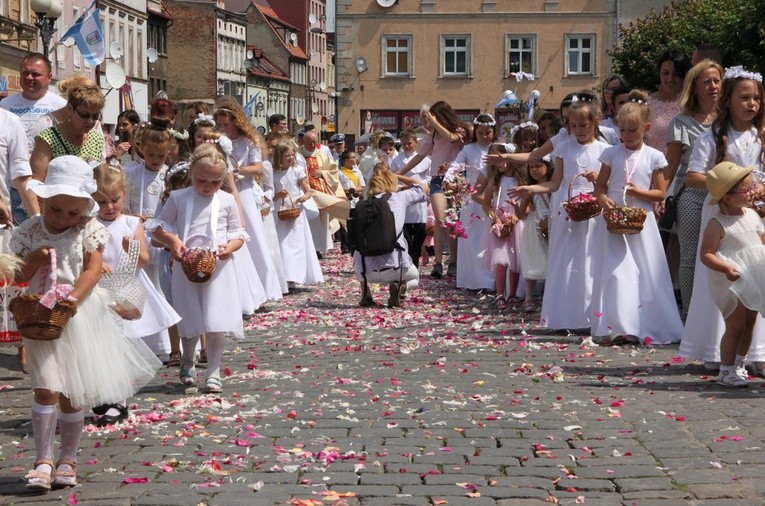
[[442, 402]]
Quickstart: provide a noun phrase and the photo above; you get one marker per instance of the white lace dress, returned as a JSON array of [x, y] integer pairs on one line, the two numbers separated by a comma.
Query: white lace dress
[[91, 363]]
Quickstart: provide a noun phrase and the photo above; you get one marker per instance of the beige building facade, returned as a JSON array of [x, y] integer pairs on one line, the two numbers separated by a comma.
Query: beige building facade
[[392, 56]]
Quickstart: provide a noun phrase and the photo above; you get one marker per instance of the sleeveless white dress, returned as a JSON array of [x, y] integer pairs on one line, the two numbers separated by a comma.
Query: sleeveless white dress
[[158, 315]]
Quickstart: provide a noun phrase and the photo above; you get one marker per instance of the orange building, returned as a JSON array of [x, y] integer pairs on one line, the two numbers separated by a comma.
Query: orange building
[[394, 55]]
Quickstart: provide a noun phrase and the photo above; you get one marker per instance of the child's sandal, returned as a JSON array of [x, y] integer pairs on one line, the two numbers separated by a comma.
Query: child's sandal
[[528, 307], [501, 303], [65, 477], [39, 481], [174, 360]]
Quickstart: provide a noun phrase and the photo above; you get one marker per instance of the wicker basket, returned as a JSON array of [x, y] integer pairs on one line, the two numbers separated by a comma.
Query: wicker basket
[[288, 213], [198, 265], [265, 211], [625, 220], [506, 230], [128, 293], [34, 320], [579, 208]]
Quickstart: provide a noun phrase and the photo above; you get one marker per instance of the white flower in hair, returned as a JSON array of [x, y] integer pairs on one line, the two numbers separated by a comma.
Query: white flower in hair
[[226, 145], [178, 135], [204, 119], [740, 72]]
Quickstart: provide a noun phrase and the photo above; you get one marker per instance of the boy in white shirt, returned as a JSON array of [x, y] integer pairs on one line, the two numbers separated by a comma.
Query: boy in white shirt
[[416, 215]]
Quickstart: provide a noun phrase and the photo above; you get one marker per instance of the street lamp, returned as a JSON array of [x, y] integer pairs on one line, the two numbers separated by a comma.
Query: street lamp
[[48, 11]]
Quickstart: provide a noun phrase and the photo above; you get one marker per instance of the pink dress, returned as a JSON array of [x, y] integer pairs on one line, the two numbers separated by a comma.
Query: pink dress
[[505, 250], [440, 151], [661, 115]]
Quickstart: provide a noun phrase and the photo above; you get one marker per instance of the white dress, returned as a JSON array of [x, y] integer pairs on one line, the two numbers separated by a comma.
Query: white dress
[[295, 241], [741, 245], [472, 274], [533, 245], [269, 226], [91, 363], [157, 314], [568, 288], [704, 325], [631, 288], [251, 198], [211, 306]]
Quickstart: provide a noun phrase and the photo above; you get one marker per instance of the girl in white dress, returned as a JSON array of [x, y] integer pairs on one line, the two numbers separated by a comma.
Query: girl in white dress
[[295, 241], [732, 248], [210, 308], [145, 183], [535, 212], [91, 363], [251, 292], [503, 251], [247, 153], [568, 289], [736, 136], [632, 294], [471, 274], [157, 314]]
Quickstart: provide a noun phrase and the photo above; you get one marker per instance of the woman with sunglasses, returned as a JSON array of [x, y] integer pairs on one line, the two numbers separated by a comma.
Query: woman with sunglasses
[[73, 131]]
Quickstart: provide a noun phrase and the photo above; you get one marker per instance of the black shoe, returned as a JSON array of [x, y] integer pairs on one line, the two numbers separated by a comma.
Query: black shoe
[[438, 271], [101, 410], [104, 420], [319, 255], [394, 300]]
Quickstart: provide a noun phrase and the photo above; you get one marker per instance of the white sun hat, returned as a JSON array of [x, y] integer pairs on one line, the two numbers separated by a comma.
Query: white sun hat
[[67, 175]]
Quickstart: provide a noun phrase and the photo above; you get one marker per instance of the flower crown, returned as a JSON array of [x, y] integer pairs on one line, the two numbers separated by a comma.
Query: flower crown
[[739, 71], [525, 124], [177, 134], [490, 123], [175, 169], [204, 119], [583, 98]]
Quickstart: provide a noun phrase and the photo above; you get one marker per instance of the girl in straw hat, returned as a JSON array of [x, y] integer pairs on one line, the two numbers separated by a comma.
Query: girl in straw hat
[[732, 248]]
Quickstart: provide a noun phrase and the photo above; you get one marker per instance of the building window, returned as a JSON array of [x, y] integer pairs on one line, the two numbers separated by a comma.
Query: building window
[[520, 53], [580, 55], [455, 55], [397, 55]]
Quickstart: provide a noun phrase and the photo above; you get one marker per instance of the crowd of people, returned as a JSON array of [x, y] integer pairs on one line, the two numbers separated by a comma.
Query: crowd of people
[[213, 220]]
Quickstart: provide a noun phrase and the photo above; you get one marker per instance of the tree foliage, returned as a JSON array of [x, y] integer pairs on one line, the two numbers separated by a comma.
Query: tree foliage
[[737, 27]]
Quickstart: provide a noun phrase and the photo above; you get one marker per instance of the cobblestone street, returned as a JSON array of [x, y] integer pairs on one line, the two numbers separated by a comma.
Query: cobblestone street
[[442, 402]]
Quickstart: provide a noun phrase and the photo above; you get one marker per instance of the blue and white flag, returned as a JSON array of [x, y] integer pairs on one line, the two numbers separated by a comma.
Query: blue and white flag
[[248, 106], [88, 35]]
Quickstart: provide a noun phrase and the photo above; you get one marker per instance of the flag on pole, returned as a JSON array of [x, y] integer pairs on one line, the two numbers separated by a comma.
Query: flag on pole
[[248, 106], [88, 35]]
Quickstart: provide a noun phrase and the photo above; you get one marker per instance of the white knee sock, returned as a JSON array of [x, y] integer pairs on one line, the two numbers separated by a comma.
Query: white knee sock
[[189, 345], [44, 417], [215, 342], [71, 433]]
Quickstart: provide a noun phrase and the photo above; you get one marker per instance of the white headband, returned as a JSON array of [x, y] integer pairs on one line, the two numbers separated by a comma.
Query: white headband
[[740, 72]]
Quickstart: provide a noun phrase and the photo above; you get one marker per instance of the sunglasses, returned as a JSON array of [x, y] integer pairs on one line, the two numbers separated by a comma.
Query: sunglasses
[[743, 191], [86, 116]]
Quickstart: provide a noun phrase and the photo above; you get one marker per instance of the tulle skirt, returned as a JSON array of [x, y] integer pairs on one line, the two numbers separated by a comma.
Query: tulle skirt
[[92, 363], [750, 287]]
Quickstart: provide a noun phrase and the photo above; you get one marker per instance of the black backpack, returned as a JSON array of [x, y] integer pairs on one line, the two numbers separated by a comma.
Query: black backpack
[[372, 227]]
